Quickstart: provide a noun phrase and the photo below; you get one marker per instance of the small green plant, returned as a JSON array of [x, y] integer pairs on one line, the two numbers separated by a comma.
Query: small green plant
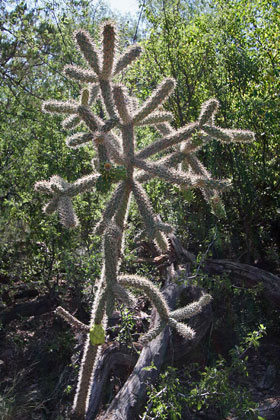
[[68, 389], [127, 325], [166, 400], [149, 368], [7, 401], [215, 387]]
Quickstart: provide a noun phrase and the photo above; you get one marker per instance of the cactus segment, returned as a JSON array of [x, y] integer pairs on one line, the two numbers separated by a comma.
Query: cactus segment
[[119, 168]]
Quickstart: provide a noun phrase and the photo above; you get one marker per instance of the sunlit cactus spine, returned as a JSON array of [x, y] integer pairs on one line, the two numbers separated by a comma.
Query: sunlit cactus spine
[[119, 162]]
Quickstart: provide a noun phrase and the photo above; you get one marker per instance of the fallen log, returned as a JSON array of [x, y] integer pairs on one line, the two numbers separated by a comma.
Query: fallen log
[[130, 399], [113, 358], [245, 275]]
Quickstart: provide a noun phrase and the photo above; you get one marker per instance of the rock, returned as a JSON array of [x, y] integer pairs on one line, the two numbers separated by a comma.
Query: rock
[[268, 379]]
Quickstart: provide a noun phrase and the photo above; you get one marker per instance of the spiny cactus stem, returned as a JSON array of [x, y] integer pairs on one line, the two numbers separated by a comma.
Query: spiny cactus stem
[[79, 74], [107, 96], [121, 105], [109, 39], [110, 124], [131, 54], [162, 242], [98, 308], [166, 142], [102, 153], [165, 128], [191, 309], [74, 322], [150, 290], [88, 49], [208, 110], [88, 117], [218, 133], [153, 333], [122, 211], [170, 161], [81, 399], [112, 207], [112, 148], [162, 171], [145, 209], [90, 355], [158, 96], [128, 148], [112, 255]]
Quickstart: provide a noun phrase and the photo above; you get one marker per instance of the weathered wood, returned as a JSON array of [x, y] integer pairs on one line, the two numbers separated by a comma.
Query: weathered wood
[[132, 395], [240, 274], [243, 275], [270, 408], [247, 276], [129, 399], [112, 357]]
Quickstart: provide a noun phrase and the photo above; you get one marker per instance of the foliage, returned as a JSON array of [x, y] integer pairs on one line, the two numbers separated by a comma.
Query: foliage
[[127, 325], [217, 387], [165, 401], [220, 49], [33, 248]]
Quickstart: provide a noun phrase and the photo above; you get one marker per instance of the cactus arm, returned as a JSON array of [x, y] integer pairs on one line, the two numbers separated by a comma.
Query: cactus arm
[[166, 142], [170, 161], [192, 309], [121, 105], [74, 322], [79, 74], [112, 206], [89, 50], [150, 290], [131, 54], [159, 95], [108, 52], [150, 219]]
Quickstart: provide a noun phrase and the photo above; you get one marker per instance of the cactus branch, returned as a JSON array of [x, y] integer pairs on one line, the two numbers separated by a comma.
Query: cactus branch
[[119, 167]]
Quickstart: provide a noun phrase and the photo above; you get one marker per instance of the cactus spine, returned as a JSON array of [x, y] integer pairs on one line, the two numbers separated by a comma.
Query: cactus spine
[[120, 164]]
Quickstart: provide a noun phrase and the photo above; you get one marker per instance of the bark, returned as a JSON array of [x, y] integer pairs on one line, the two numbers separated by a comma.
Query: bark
[[113, 358]]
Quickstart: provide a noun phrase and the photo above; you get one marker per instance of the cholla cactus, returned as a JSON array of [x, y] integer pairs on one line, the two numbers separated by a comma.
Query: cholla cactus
[[118, 162]]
